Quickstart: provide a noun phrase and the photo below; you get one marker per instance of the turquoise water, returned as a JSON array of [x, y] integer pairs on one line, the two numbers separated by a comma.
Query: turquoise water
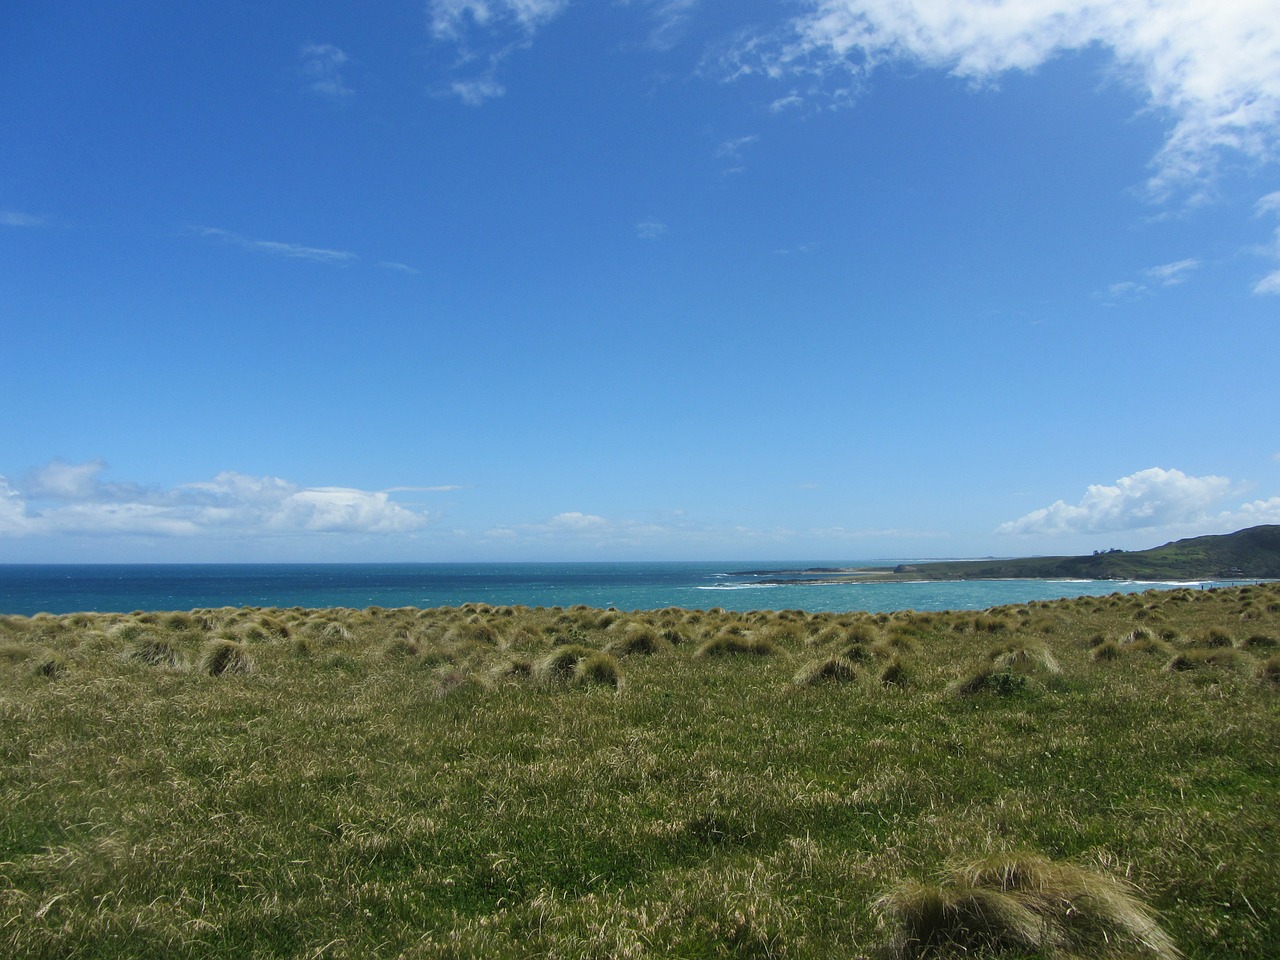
[[68, 588]]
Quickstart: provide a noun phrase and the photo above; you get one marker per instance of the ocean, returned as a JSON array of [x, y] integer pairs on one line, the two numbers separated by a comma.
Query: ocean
[[27, 589]]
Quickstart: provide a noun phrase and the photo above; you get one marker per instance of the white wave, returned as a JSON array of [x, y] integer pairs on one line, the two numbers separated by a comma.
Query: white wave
[[740, 586]]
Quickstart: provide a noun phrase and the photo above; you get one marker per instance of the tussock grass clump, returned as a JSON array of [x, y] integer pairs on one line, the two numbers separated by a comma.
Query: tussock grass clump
[[1106, 651], [830, 670], [895, 673], [858, 652], [179, 622], [1021, 658], [895, 642], [1197, 657], [1023, 903], [1259, 641], [985, 623], [1269, 670], [225, 655], [156, 652], [597, 667], [989, 679], [728, 644], [636, 639], [1149, 646], [560, 663], [51, 667], [1213, 637], [674, 636], [516, 668], [131, 631], [401, 648]]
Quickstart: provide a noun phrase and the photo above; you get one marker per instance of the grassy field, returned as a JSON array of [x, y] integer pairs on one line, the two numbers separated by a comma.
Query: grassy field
[[1095, 777]]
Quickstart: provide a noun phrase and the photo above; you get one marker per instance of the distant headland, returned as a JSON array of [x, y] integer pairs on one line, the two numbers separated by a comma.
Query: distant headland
[[1249, 554]]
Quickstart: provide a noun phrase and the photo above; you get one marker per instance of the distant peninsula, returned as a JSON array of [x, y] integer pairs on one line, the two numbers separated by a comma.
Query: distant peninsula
[[1249, 554]]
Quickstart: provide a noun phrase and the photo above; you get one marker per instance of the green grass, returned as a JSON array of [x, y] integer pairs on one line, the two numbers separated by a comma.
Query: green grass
[[515, 782]]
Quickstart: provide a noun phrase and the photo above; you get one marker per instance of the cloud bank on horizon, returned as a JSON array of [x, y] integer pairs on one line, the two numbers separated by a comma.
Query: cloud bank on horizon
[[1148, 499], [69, 499], [66, 499]]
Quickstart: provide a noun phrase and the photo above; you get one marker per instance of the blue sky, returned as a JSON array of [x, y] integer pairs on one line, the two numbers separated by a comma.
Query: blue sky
[[636, 279]]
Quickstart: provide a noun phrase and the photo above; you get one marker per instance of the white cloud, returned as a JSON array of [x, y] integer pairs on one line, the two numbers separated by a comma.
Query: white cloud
[[1148, 498], [277, 249], [71, 499], [671, 18], [475, 92], [399, 267], [1251, 514], [1271, 282], [792, 99], [732, 151], [1172, 274], [14, 218], [452, 19], [1165, 275], [1127, 290], [487, 31], [650, 229], [322, 65], [1211, 66], [574, 520]]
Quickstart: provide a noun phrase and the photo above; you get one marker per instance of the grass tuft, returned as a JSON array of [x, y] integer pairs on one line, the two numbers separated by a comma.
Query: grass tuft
[[895, 673], [1106, 651], [156, 652], [989, 679], [561, 662], [225, 656], [727, 644], [597, 667], [1023, 903], [1197, 657]]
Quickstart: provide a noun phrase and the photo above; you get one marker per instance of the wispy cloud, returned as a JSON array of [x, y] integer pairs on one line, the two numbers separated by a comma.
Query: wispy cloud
[[1172, 274], [670, 22], [1147, 499], [62, 498], [453, 19], [275, 248], [798, 250], [1270, 204], [731, 151], [487, 32], [1164, 275], [651, 229], [399, 267], [791, 100], [475, 92], [1210, 67], [321, 68], [14, 218]]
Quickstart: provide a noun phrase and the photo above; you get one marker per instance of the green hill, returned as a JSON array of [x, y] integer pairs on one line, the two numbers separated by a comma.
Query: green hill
[[1249, 554]]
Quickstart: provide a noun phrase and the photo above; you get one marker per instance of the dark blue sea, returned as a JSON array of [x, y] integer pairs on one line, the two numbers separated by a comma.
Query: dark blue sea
[[67, 588]]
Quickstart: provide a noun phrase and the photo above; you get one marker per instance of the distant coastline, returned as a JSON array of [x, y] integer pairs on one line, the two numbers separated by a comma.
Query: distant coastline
[[1249, 554]]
